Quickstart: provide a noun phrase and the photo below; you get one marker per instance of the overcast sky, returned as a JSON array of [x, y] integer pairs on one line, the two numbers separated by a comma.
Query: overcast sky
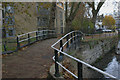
[[108, 7]]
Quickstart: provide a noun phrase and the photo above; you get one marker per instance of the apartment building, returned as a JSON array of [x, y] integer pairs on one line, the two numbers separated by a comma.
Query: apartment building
[[60, 18], [22, 17]]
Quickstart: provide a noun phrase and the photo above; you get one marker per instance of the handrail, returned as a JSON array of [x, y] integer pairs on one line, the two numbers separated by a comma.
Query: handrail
[[64, 37], [33, 32], [38, 35], [55, 58]]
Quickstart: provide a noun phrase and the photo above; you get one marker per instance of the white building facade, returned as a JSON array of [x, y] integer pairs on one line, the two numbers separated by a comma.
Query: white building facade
[[117, 16]]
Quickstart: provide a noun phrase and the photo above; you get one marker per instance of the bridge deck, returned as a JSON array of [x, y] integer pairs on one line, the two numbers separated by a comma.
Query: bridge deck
[[32, 62]]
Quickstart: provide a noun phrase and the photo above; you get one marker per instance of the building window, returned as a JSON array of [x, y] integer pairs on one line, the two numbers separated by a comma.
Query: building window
[[10, 32], [42, 21], [61, 23], [9, 20], [3, 15], [10, 9], [61, 30]]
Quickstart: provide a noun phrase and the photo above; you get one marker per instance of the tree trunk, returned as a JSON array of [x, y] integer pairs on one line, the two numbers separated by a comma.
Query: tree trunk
[[94, 18], [68, 27], [52, 16]]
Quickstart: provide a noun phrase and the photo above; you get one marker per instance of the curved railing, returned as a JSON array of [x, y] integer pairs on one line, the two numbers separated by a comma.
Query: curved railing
[[72, 37], [34, 36]]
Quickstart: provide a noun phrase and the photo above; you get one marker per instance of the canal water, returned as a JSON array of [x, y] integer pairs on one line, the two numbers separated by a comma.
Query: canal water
[[113, 67], [110, 63]]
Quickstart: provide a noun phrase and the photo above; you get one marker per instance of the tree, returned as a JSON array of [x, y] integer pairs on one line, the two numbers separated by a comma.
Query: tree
[[74, 7], [70, 13], [52, 15], [95, 11], [81, 21], [109, 21]]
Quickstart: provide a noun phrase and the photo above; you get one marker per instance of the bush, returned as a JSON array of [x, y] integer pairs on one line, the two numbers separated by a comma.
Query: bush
[[84, 25]]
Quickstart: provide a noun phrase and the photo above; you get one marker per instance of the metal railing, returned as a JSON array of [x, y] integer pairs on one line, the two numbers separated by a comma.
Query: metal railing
[[72, 37], [27, 39], [35, 35], [99, 36]]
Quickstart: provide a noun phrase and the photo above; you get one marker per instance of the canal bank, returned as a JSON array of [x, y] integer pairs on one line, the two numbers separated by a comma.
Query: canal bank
[[91, 52], [110, 63]]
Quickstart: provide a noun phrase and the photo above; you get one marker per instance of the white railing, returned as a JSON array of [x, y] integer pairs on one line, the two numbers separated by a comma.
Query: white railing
[[74, 35], [36, 35]]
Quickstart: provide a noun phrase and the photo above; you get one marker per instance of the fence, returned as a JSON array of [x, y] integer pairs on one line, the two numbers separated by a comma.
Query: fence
[[71, 38], [29, 38], [99, 36]]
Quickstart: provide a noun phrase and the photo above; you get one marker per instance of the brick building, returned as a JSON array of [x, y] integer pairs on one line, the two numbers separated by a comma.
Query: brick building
[[23, 17], [60, 18]]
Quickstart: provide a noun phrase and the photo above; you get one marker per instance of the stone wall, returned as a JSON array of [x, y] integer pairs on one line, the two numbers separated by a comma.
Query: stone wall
[[25, 17], [90, 52]]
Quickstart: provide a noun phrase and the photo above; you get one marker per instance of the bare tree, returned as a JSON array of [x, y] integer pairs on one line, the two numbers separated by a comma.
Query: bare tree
[[95, 11], [70, 13], [52, 15]]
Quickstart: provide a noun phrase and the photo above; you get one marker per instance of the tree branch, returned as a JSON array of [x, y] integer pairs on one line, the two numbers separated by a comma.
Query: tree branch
[[66, 12], [75, 11], [99, 6], [72, 8]]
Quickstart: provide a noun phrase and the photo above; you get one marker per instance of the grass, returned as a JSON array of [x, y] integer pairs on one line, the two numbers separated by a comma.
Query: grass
[[94, 41], [9, 47], [100, 38], [10, 44]]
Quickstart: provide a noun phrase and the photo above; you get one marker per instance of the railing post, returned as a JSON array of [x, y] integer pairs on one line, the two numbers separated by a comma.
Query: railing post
[[74, 36], [47, 34], [118, 35], [71, 39], [80, 76], [61, 46], [77, 35], [43, 34], [67, 40], [28, 38], [74, 40], [39, 35], [5, 46], [51, 34], [18, 44], [36, 36], [56, 65]]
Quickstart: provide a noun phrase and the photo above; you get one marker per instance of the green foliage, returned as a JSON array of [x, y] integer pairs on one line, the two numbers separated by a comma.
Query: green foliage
[[43, 5], [84, 25], [109, 21]]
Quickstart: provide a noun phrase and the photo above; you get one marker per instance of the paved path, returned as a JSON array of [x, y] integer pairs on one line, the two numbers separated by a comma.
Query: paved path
[[32, 62]]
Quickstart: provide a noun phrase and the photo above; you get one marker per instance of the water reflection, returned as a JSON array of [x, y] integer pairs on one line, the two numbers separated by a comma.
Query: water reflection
[[113, 67]]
